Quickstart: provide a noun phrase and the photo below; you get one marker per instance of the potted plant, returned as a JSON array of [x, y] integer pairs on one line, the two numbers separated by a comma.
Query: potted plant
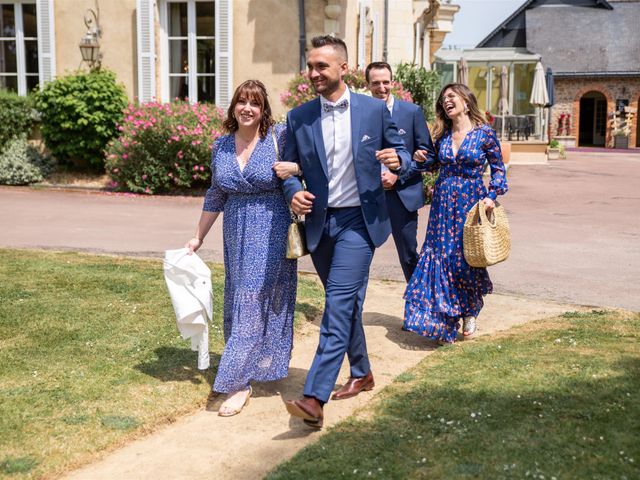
[[621, 128], [620, 139], [553, 150]]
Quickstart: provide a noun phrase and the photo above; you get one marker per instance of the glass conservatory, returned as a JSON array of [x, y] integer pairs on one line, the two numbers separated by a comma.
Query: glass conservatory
[[482, 70]]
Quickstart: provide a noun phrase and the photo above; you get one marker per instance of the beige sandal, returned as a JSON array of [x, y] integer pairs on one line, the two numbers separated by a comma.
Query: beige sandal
[[230, 412]]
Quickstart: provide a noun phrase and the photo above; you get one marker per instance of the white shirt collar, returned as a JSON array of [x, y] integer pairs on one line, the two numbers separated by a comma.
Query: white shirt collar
[[390, 102]]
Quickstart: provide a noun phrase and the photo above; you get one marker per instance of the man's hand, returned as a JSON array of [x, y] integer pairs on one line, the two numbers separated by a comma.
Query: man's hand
[[301, 202], [388, 157], [420, 156], [388, 180], [285, 170]]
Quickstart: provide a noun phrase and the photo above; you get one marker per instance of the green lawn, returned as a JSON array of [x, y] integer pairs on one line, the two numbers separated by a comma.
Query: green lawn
[[555, 399], [90, 356]]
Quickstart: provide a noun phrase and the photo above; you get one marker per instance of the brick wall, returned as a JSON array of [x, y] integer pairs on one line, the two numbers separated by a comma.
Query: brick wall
[[569, 91]]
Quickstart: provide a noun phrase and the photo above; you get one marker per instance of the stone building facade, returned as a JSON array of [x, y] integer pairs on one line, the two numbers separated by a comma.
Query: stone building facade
[[593, 48], [202, 49]]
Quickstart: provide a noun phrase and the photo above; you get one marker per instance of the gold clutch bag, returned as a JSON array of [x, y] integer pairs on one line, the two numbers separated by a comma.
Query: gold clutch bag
[[296, 240]]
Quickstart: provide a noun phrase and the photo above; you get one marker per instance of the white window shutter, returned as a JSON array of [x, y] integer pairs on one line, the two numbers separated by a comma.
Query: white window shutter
[[224, 52], [46, 42], [145, 25]]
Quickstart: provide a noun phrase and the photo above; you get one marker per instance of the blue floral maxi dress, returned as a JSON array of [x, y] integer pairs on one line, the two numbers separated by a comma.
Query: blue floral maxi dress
[[260, 283], [444, 287]]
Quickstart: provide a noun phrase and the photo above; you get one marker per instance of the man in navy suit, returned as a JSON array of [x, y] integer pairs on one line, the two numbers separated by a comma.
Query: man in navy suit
[[339, 140], [405, 195]]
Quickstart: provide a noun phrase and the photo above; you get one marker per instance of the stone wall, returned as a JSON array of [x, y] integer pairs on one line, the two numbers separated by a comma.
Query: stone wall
[[568, 92]]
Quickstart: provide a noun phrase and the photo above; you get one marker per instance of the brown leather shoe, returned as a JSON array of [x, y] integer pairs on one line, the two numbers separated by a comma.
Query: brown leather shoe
[[354, 386], [307, 408]]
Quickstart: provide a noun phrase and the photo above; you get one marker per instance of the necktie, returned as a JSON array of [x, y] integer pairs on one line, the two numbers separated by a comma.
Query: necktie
[[327, 107]]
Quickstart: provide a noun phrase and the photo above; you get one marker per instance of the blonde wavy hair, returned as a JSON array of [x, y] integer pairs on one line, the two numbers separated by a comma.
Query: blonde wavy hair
[[443, 122]]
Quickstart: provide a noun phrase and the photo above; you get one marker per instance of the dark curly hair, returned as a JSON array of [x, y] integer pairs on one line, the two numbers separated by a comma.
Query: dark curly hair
[[251, 90]]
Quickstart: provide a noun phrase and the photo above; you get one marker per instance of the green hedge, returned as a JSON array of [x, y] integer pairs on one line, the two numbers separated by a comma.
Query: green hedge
[[16, 116], [423, 84], [79, 116]]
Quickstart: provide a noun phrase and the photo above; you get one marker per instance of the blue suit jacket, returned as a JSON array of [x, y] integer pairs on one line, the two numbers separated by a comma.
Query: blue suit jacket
[[412, 127], [371, 129]]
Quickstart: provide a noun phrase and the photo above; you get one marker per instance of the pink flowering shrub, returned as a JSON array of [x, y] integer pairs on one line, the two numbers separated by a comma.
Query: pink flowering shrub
[[163, 147], [301, 90]]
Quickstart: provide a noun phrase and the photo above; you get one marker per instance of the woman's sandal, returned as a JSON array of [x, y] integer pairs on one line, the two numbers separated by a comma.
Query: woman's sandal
[[469, 326], [230, 412]]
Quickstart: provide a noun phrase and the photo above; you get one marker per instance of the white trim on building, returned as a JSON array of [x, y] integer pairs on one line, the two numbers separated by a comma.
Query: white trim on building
[[193, 80], [16, 38]]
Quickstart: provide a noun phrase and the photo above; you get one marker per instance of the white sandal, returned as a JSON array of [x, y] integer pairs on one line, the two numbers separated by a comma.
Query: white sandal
[[469, 326]]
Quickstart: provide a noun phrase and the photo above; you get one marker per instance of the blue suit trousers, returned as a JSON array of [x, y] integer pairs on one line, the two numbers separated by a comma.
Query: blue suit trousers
[[404, 228], [342, 260]]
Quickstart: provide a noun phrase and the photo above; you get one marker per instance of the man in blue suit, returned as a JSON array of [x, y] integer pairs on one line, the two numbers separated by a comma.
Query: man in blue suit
[[405, 195], [339, 140]]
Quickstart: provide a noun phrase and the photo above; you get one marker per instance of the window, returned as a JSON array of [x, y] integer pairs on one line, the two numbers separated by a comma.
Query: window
[[190, 50], [523, 83], [19, 69], [446, 73], [478, 84]]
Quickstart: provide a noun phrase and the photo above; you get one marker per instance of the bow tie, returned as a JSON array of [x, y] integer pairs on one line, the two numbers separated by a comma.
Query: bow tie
[[327, 107]]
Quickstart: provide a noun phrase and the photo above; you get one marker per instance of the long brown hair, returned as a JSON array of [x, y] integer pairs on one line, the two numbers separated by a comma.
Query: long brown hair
[[251, 90], [443, 122]]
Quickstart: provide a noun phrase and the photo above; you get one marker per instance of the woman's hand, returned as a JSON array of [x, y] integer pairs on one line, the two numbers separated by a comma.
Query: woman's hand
[[420, 156], [193, 245], [489, 204], [285, 170]]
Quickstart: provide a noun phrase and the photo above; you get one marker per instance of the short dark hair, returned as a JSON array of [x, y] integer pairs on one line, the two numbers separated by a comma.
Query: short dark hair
[[377, 66], [331, 41]]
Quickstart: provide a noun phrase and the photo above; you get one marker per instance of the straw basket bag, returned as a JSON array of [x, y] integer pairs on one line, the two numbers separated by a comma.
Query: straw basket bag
[[486, 241]]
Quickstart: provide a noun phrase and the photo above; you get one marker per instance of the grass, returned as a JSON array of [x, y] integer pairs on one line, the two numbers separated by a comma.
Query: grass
[[555, 399], [90, 356]]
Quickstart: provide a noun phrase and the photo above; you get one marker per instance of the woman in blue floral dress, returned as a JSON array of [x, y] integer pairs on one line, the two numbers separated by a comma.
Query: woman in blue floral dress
[[444, 288], [260, 283]]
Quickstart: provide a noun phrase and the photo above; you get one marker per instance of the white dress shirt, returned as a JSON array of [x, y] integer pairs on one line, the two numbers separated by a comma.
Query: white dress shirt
[[336, 134], [390, 104]]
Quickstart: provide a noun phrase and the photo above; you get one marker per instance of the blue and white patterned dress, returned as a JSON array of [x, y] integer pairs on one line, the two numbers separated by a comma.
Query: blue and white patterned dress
[[260, 283], [444, 287]]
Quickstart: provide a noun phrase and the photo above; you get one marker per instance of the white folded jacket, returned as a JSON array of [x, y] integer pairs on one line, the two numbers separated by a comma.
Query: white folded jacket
[[189, 282]]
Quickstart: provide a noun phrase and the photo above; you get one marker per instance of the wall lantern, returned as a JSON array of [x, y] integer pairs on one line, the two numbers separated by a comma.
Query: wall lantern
[[90, 43]]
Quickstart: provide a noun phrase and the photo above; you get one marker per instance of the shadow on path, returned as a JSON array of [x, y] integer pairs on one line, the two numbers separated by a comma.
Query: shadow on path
[[178, 365]]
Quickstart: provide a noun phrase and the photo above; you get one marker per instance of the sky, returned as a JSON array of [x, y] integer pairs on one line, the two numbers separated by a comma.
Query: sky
[[476, 19]]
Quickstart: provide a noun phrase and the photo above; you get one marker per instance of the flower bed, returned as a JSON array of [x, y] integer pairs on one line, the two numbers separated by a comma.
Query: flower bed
[[163, 147]]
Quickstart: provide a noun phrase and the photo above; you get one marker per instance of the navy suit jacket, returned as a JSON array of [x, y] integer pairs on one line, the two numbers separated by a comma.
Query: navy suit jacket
[[412, 127], [371, 129]]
